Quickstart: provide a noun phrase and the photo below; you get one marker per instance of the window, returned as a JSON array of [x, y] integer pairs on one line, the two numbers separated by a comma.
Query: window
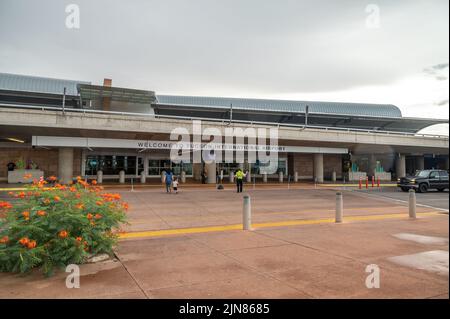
[[443, 174], [434, 175], [110, 164], [156, 167]]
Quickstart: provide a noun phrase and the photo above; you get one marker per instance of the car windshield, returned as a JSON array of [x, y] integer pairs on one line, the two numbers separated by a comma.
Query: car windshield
[[422, 173]]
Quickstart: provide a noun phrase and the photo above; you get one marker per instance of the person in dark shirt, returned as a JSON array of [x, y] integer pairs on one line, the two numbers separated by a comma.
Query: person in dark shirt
[[11, 166]]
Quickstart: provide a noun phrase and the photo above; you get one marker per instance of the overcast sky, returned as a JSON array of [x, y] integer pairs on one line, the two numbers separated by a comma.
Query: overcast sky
[[306, 50]]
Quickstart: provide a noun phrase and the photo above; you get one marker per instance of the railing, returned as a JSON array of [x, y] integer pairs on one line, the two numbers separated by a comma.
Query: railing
[[223, 121]]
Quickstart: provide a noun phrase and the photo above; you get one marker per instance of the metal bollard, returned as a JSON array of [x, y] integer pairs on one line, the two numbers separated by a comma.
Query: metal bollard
[[247, 214], [295, 177], [339, 207], [132, 184], [265, 177], [333, 177], [412, 204], [143, 178], [99, 176], [122, 177]]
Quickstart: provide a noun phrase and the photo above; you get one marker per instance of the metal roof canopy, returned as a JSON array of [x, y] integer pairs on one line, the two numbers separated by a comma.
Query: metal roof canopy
[[98, 92], [369, 122], [36, 84], [290, 106]]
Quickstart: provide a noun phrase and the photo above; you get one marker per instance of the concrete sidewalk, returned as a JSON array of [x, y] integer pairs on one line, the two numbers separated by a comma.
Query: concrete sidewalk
[[324, 260], [314, 261]]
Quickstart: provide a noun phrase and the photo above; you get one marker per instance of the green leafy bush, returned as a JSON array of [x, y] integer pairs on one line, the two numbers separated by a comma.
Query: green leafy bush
[[49, 227]]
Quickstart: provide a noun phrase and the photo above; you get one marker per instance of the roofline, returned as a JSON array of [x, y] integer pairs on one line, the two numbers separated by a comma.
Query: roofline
[[46, 78], [277, 100], [317, 113]]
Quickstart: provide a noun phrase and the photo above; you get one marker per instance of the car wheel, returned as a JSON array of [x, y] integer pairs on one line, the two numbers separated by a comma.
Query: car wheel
[[423, 188], [440, 189]]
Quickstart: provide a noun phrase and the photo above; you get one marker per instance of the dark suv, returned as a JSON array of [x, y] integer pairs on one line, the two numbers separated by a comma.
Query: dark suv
[[425, 180]]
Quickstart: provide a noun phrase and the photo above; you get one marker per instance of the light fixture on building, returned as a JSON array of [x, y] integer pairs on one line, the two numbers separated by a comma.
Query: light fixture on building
[[12, 139]]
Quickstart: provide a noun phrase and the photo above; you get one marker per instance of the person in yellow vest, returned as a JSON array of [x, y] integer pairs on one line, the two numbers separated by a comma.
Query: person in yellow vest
[[239, 176]]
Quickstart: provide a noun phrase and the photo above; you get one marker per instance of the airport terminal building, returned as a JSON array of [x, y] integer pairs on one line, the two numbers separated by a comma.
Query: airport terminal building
[[72, 128]]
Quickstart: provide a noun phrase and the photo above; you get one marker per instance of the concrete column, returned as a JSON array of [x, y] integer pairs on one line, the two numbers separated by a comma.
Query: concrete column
[[231, 177], [143, 178], [249, 177], [65, 165], [420, 163], [372, 165], [318, 168], [197, 171], [295, 177], [400, 166], [333, 177], [183, 176], [211, 171], [280, 177]]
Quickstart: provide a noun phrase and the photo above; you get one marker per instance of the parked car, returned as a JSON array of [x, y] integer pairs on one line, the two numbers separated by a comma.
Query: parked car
[[425, 180]]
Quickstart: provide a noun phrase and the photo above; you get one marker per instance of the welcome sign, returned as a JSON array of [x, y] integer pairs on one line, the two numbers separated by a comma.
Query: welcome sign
[[88, 142]]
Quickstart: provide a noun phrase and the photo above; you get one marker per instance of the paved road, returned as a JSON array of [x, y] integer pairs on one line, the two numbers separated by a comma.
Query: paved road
[[431, 198]]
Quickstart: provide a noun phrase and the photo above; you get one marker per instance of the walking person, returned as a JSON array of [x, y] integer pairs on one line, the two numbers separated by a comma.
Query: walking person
[[175, 185], [169, 177], [239, 179]]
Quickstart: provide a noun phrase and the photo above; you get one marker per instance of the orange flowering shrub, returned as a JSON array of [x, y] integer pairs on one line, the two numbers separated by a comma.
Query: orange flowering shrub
[[53, 226]]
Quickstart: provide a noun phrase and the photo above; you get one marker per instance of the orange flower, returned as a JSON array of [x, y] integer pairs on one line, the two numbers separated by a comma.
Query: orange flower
[[125, 206], [78, 178], [26, 215], [94, 182], [31, 244], [79, 239], [89, 216], [99, 203], [21, 195], [24, 241], [57, 198], [92, 223], [98, 216], [77, 195], [47, 201], [27, 176], [5, 205], [52, 178], [63, 234], [41, 213], [72, 189], [4, 240], [79, 206]]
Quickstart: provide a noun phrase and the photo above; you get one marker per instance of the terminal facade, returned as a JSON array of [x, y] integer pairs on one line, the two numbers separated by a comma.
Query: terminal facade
[[69, 128]]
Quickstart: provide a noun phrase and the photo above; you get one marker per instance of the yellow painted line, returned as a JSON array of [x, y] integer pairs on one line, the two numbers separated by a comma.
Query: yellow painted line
[[11, 189], [207, 229]]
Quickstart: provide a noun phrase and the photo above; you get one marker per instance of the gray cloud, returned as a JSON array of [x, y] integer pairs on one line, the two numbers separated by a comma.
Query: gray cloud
[[225, 47]]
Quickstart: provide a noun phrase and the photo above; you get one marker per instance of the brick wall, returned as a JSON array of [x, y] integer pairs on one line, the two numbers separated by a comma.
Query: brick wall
[[332, 162], [47, 160], [303, 164]]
